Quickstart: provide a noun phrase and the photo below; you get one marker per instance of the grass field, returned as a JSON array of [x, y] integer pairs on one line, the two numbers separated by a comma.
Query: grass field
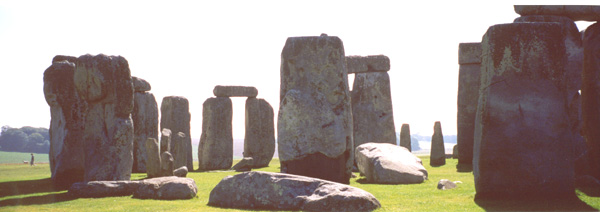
[[19, 157], [25, 188]]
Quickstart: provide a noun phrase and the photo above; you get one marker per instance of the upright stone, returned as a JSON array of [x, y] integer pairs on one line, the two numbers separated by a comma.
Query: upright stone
[[67, 112], [175, 115], [259, 141], [166, 164], [314, 131], [153, 168], [372, 111], [165, 140], [405, 137], [145, 122], [590, 94], [179, 150], [469, 60], [215, 150], [438, 151], [104, 82], [522, 140]]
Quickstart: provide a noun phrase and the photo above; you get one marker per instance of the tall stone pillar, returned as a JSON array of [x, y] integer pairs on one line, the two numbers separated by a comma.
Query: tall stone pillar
[[259, 140], [438, 151], [469, 59], [590, 94], [145, 122], [175, 115], [405, 140], [215, 150]]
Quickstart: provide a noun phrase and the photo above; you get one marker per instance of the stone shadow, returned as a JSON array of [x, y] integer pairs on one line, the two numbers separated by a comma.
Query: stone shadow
[[38, 200], [27, 187], [571, 203], [464, 167]]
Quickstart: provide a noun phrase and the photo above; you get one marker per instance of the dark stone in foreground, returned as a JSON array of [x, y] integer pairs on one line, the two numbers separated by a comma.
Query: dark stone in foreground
[[276, 191], [319, 166], [590, 93], [156, 188]]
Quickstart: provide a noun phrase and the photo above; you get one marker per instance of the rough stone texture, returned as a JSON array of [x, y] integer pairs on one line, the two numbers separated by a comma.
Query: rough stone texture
[[389, 164], [246, 164], [445, 184], [96, 189], [140, 85], [469, 58], [180, 149], [175, 115], [231, 91], [590, 97], [372, 111], [166, 164], [215, 150], [166, 188], [181, 171], [371, 63], [405, 140], [67, 112], [314, 131], [152, 158], [522, 139], [145, 123], [165, 140], [455, 154], [59, 58], [574, 12], [259, 141], [104, 82], [438, 151], [277, 191]]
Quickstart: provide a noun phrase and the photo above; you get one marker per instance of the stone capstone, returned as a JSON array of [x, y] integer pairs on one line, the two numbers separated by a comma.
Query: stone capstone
[[140, 85], [389, 164], [145, 124], [314, 131], [259, 141], [175, 115], [278, 191], [231, 91], [165, 188], [469, 59], [438, 151], [574, 12], [371, 63], [59, 58], [215, 150]]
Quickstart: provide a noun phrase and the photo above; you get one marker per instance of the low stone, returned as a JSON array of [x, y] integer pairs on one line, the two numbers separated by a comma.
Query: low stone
[[166, 188], [97, 189], [165, 140], [231, 91], [278, 191], [574, 12], [371, 63], [153, 158], [246, 164], [59, 58], [438, 151], [445, 184], [405, 140], [389, 164], [140, 85], [166, 164], [181, 171]]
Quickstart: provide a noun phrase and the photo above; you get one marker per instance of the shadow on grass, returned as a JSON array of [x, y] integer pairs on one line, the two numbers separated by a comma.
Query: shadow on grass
[[27, 187], [38, 200], [533, 204], [464, 167]]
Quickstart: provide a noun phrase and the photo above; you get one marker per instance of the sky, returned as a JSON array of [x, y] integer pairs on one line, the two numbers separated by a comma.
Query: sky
[[185, 48]]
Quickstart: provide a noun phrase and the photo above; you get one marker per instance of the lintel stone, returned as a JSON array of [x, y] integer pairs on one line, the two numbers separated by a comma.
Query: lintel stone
[[575, 12], [232, 91], [371, 63]]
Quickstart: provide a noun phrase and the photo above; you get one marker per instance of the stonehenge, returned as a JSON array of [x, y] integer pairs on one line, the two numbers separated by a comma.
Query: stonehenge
[[314, 128], [145, 121], [215, 150], [259, 140], [469, 60], [175, 115]]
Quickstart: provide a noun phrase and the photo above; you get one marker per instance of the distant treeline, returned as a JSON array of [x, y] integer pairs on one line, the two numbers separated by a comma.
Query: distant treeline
[[25, 139]]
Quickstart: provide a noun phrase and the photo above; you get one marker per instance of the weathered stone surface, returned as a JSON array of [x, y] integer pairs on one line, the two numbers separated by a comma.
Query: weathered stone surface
[[215, 150], [246, 164], [152, 158], [259, 141], [438, 151], [59, 58], [67, 111], [166, 188], [98, 189], [590, 94], [389, 164], [455, 154], [180, 149], [405, 140], [277, 191], [165, 140], [445, 184], [469, 57], [574, 12], [522, 139], [166, 164], [371, 63], [140, 85], [181, 171], [372, 111], [175, 115], [231, 91], [315, 118], [145, 125], [104, 82]]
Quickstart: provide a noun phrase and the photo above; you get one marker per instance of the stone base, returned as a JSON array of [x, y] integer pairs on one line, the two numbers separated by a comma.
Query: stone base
[[66, 178], [320, 166], [437, 161]]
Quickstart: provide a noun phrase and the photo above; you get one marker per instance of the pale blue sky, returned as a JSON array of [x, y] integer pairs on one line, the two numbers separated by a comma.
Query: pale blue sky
[[185, 48]]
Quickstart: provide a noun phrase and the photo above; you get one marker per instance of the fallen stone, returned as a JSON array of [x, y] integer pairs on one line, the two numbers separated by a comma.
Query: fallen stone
[[181, 171], [438, 151], [574, 12], [153, 168], [389, 164], [405, 140], [140, 85], [259, 140], [96, 189], [371, 63], [469, 58], [175, 115], [145, 122], [235, 91], [277, 191], [445, 184], [215, 150], [166, 188], [166, 164], [246, 164]]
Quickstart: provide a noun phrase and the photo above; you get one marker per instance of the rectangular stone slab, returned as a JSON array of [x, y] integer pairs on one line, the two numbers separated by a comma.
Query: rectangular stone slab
[[575, 12], [371, 63], [469, 53], [233, 91]]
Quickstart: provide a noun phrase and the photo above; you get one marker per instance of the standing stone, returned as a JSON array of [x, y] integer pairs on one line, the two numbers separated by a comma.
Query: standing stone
[[67, 111], [215, 150], [153, 168], [469, 60], [175, 115], [165, 140], [405, 137], [145, 122], [523, 145], [166, 164], [590, 94], [372, 111], [438, 151], [104, 82], [179, 150], [314, 131], [259, 141]]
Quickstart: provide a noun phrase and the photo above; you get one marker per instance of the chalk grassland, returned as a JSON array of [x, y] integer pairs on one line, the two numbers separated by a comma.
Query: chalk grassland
[[19, 157], [25, 188]]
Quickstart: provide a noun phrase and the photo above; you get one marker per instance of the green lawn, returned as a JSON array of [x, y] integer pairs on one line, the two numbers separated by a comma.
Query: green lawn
[[19, 157], [25, 188]]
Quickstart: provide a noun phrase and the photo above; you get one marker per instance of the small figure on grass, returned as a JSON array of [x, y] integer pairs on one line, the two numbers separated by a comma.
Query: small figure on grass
[[31, 162]]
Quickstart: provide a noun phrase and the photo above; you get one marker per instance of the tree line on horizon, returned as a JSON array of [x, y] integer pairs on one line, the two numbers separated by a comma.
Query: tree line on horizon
[[25, 139]]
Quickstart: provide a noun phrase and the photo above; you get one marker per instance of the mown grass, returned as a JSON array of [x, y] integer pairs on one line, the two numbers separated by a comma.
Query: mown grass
[[25, 188], [19, 157]]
